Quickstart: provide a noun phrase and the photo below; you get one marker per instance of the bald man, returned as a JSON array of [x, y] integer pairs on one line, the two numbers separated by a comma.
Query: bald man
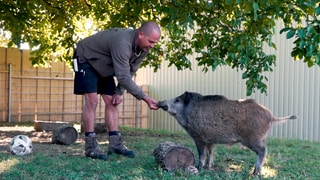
[[98, 59]]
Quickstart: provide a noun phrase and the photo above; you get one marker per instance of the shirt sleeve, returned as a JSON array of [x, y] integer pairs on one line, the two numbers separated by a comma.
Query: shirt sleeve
[[121, 54]]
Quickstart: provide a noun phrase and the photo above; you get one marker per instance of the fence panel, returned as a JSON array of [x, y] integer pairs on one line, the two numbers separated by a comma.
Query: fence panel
[[44, 98], [3, 92], [30, 93]]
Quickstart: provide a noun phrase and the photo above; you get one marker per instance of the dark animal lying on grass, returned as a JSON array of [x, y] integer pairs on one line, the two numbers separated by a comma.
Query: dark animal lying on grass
[[214, 119]]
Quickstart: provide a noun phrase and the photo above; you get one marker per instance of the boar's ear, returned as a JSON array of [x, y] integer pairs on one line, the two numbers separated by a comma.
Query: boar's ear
[[186, 97]]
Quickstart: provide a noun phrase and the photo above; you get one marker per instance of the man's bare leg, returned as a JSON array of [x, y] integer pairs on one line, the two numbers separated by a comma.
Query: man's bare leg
[[89, 111], [112, 122], [92, 148], [111, 114]]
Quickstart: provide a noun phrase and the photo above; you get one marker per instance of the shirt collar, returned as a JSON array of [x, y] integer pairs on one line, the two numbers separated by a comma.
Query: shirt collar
[[135, 48]]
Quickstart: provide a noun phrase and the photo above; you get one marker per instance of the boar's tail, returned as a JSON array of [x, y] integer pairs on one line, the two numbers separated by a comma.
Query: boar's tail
[[279, 119]]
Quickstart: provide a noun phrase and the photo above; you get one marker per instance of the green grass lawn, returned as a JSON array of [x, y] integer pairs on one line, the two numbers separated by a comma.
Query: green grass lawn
[[287, 159]]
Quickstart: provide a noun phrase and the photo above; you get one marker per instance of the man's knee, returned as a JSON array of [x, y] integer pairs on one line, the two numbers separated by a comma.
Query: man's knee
[[108, 101], [91, 100]]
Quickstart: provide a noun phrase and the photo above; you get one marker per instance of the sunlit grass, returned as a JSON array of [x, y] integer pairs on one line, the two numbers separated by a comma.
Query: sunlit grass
[[6, 165], [268, 172]]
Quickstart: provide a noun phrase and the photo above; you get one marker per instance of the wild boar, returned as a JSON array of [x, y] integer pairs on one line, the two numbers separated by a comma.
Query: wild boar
[[214, 119]]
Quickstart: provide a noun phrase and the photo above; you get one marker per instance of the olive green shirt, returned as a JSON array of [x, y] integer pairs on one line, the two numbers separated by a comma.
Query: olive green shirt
[[113, 52]]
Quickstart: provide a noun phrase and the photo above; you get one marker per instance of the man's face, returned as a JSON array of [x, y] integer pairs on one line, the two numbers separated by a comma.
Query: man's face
[[146, 42]]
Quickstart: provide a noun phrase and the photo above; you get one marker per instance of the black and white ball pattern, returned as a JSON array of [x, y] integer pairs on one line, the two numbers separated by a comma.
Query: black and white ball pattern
[[192, 170], [21, 145]]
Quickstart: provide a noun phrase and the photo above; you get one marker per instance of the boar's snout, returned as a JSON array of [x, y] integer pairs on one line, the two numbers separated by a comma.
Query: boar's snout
[[163, 105]]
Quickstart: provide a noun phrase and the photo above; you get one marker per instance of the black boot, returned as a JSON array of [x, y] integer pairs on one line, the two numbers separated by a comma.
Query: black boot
[[116, 146], [92, 148]]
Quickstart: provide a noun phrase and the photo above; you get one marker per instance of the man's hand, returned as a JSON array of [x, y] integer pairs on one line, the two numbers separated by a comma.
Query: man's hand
[[116, 99], [153, 104]]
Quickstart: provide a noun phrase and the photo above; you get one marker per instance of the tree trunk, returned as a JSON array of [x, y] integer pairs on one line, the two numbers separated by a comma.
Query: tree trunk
[[171, 156], [64, 134]]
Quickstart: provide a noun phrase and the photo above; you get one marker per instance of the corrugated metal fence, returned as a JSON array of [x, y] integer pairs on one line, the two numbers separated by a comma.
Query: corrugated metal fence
[[293, 88]]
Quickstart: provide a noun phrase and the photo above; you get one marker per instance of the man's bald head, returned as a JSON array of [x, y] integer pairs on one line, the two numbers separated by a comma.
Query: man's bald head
[[148, 35], [150, 27]]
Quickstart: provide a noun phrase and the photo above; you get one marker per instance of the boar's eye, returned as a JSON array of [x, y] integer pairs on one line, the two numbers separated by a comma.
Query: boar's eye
[[176, 101]]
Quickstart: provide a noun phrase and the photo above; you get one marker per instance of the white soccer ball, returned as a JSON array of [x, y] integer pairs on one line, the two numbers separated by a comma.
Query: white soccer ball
[[20, 145], [192, 170]]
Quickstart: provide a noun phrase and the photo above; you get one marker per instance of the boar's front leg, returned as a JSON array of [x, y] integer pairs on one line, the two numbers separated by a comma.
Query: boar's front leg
[[209, 151], [202, 152]]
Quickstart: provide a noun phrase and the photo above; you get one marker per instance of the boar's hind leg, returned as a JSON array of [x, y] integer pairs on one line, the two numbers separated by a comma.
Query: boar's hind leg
[[261, 150]]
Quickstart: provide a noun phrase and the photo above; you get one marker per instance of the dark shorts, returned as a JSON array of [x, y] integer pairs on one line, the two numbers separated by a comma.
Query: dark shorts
[[87, 80]]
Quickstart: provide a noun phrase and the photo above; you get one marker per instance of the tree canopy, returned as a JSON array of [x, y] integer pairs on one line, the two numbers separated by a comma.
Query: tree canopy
[[229, 32]]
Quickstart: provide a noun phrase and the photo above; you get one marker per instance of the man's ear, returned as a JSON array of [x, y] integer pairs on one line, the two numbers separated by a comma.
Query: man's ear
[[140, 34]]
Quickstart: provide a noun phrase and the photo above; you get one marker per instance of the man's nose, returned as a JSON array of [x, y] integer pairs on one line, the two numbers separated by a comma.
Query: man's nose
[[152, 45]]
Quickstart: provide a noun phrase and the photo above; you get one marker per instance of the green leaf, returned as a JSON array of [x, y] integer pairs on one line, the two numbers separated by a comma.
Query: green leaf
[[301, 33], [318, 60], [310, 29], [291, 33], [244, 75], [301, 44], [255, 10], [310, 63], [285, 29], [317, 11]]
